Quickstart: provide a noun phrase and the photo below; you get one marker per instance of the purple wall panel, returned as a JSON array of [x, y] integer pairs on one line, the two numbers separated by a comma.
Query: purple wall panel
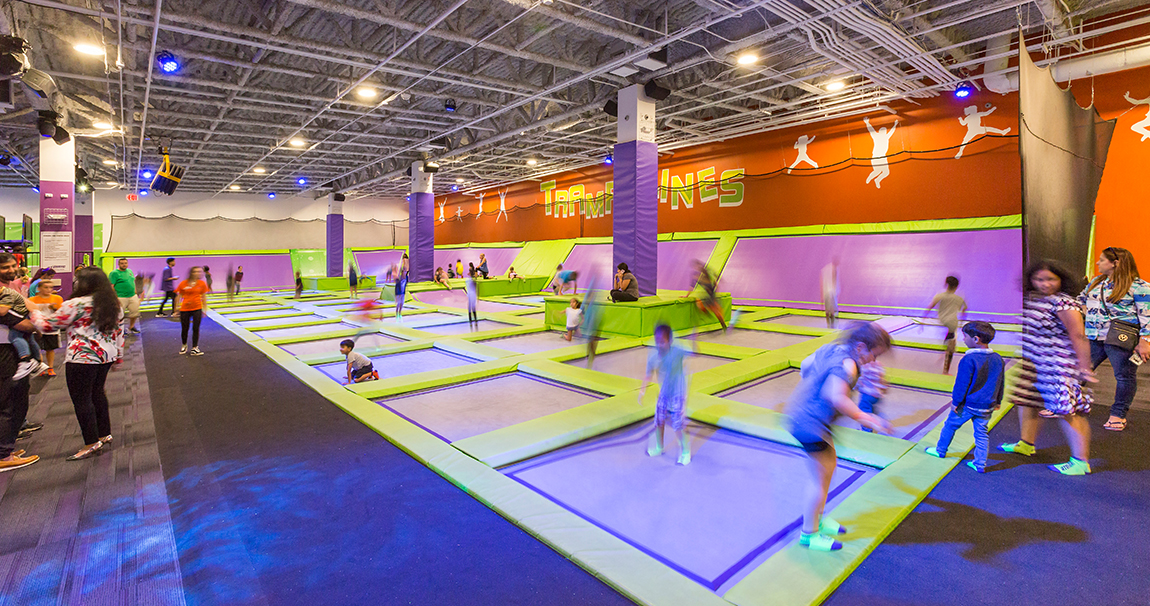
[[376, 262], [900, 270], [260, 271], [498, 259], [592, 260], [421, 237], [635, 211], [676, 262], [334, 246]]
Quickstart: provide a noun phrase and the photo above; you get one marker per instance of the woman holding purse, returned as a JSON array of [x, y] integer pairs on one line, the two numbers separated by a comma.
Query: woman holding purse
[[1118, 325]]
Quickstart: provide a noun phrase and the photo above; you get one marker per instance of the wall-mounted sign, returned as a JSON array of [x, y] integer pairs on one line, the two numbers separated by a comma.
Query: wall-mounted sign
[[56, 250]]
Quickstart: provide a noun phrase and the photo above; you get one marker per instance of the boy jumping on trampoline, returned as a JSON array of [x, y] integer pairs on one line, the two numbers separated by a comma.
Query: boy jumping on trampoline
[[949, 305], [978, 389], [562, 278], [668, 362], [359, 367], [574, 318], [823, 393]]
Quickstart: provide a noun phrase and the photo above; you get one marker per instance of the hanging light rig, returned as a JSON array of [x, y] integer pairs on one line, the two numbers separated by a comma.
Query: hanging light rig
[[168, 176]]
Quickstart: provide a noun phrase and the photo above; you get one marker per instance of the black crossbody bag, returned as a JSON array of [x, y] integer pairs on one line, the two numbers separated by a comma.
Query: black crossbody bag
[[1122, 334]]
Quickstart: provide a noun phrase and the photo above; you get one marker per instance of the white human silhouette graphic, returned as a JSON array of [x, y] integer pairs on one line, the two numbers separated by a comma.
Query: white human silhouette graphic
[[480, 213], [459, 213], [502, 206], [878, 160], [801, 145], [974, 128], [441, 219], [1142, 127]]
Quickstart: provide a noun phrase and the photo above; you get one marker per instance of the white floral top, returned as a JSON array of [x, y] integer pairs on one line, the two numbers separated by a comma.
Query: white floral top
[[86, 345]]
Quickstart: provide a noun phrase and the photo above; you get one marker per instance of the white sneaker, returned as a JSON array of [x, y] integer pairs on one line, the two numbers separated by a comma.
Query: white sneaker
[[26, 368], [196, 351], [43, 369], [184, 350]]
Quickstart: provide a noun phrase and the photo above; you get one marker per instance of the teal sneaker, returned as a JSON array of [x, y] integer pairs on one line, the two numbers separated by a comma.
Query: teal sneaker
[[932, 451], [831, 527], [974, 466], [685, 458], [819, 542], [1073, 467], [655, 450], [1018, 447]]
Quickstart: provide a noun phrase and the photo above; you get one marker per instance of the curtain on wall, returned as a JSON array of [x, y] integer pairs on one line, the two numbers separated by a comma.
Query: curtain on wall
[[133, 233], [1063, 148]]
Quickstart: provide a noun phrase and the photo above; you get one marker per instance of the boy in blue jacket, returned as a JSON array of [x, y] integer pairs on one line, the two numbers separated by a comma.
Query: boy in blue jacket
[[978, 388]]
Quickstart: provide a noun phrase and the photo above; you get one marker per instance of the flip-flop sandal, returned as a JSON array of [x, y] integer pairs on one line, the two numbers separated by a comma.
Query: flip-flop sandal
[[1046, 414], [1118, 425]]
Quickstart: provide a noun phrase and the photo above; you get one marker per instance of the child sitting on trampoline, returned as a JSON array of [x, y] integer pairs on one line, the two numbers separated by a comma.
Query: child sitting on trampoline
[[823, 393], [668, 363], [949, 305], [574, 318], [562, 278], [441, 278], [978, 389], [511, 275], [359, 368]]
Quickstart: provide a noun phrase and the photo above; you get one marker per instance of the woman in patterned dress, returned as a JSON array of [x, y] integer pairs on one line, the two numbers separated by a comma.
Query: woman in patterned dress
[[1055, 363], [92, 318]]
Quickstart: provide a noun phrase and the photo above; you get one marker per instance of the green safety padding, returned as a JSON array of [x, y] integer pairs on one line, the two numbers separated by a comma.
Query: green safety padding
[[539, 258], [242, 305], [726, 376], [667, 237], [290, 313], [578, 351], [319, 322], [198, 253], [919, 379], [338, 283], [478, 351], [790, 329], [594, 240], [245, 310], [593, 380], [934, 225], [497, 286], [434, 378], [1006, 351], [371, 352], [511, 331], [638, 318], [734, 352], [525, 440], [318, 336]]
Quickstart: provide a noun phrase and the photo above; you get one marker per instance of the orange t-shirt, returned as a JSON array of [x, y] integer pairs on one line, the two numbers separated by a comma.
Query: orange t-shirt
[[192, 295]]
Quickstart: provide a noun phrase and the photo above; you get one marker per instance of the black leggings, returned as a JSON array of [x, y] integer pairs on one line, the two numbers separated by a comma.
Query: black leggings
[[193, 317], [86, 386], [618, 296], [167, 295]]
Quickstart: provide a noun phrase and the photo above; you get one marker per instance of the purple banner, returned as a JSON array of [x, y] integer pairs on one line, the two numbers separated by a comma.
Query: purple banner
[[334, 246], [635, 211], [421, 237]]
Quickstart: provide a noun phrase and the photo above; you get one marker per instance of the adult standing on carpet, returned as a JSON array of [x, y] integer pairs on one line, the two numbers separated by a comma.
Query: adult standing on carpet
[[95, 338], [626, 286], [13, 394], [168, 286], [124, 283], [1055, 363], [190, 300], [1118, 325]]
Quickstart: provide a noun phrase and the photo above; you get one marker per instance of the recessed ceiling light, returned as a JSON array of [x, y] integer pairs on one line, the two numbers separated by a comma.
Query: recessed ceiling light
[[259, 170], [836, 86], [111, 162], [234, 187], [747, 59], [297, 142], [459, 180], [532, 162], [365, 92], [103, 125], [89, 49], [112, 183]]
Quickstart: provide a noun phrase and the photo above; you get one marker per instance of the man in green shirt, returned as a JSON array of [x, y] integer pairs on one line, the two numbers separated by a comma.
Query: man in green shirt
[[124, 282]]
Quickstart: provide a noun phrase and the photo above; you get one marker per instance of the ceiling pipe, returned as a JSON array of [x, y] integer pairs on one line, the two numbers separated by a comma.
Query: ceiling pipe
[[1072, 69], [147, 92]]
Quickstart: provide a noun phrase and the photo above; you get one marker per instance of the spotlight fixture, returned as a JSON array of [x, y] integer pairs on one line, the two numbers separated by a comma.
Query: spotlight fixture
[[143, 192], [39, 82], [963, 90], [83, 185], [747, 58], [61, 135], [102, 125], [259, 170], [111, 163], [609, 160], [36, 189], [836, 86], [146, 174], [13, 55], [430, 166], [5, 159], [611, 108], [454, 188], [89, 49], [168, 62], [297, 142], [365, 92], [532, 162], [449, 105], [653, 90], [654, 61], [302, 181], [46, 123], [234, 187], [271, 195], [168, 176]]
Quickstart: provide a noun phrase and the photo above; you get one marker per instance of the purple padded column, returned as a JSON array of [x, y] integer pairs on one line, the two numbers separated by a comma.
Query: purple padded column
[[421, 237], [334, 245], [635, 212], [84, 235]]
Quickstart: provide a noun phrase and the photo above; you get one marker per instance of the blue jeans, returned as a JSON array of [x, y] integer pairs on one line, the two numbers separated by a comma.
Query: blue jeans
[[867, 403], [1125, 373], [981, 437]]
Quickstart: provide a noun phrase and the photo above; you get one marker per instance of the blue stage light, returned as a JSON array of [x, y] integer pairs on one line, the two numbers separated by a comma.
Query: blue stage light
[[36, 189], [609, 160], [272, 195], [454, 188], [143, 192], [963, 90], [168, 62], [147, 174], [302, 181]]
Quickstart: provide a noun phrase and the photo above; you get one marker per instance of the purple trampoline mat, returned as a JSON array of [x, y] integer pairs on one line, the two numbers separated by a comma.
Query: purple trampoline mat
[[590, 260], [935, 333], [534, 342], [233, 313], [676, 268], [376, 262], [739, 501], [900, 270], [254, 324], [406, 363], [276, 333], [260, 315], [528, 298], [912, 412], [632, 363], [796, 320], [745, 337], [331, 346], [417, 320], [498, 259], [260, 271], [459, 328], [913, 358], [483, 405], [457, 298]]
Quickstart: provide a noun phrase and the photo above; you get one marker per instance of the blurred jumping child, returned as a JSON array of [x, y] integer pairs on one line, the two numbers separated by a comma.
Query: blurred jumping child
[[667, 362], [562, 278], [871, 386], [472, 295], [978, 389], [949, 305]]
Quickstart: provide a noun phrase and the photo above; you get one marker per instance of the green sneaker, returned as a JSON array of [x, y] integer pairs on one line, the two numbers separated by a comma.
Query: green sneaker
[[685, 458], [932, 451], [829, 526], [1018, 447], [1073, 467], [655, 450], [819, 542]]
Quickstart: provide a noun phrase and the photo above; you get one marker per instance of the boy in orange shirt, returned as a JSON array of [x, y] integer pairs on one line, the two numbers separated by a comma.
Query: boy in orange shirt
[[47, 301]]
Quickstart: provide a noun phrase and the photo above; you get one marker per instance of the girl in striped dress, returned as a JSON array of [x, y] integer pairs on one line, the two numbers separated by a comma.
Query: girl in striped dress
[[1055, 364]]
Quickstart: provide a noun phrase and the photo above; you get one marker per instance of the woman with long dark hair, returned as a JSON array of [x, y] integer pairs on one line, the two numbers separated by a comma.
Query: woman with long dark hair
[[190, 301], [1118, 298], [91, 318]]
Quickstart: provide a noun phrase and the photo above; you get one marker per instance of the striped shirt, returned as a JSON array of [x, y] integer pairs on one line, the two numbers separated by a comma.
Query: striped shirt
[[1134, 307]]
